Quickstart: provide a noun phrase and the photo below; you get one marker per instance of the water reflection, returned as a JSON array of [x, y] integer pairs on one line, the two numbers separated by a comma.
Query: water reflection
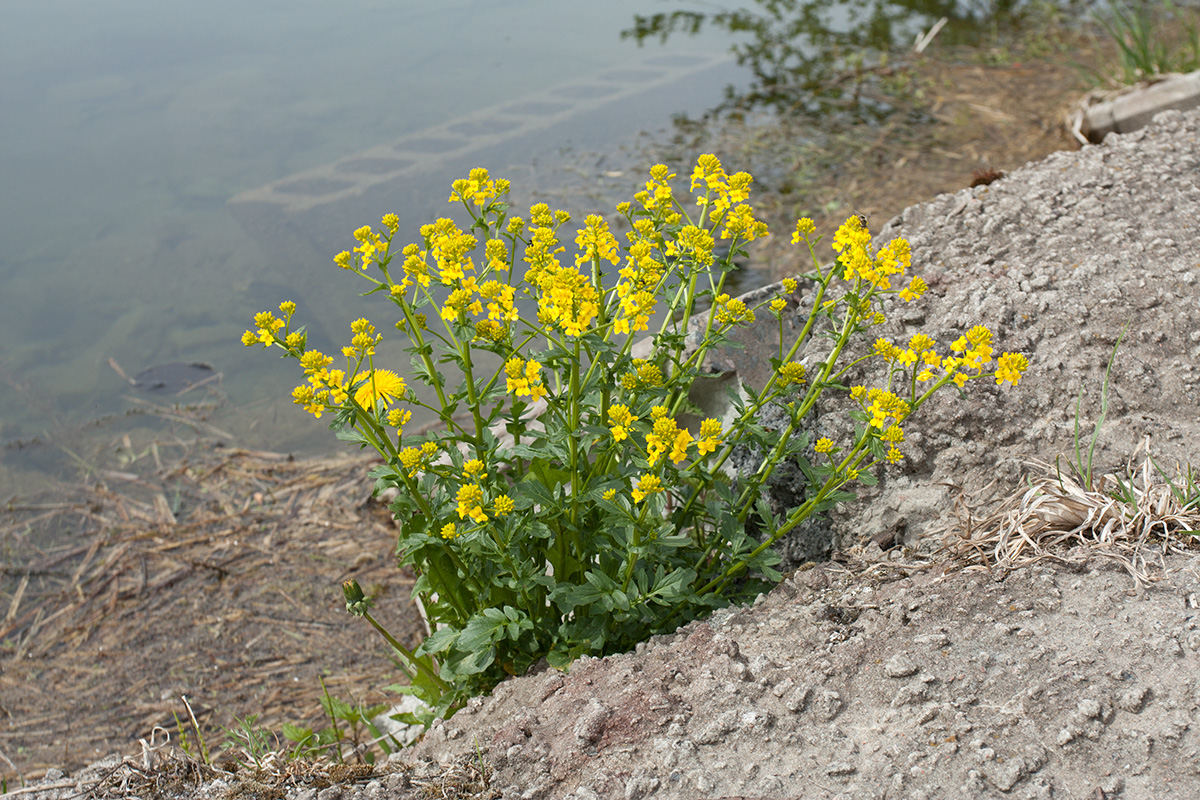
[[826, 56]]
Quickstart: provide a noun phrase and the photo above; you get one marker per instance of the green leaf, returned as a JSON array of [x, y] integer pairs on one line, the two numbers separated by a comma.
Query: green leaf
[[295, 733]]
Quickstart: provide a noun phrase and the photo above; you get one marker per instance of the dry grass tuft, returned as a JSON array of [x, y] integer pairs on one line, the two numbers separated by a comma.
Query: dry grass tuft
[[1067, 518]]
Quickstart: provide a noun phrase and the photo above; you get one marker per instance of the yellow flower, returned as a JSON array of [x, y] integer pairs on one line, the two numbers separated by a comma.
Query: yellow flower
[[885, 404], [504, 505], [647, 485], [893, 435], [852, 235], [620, 419], [411, 458], [381, 384], [824, 445], [479, 188], [609, 494], [314, 361], [790, 285], [731, 312], [398, 417], [595, 242], [886, 349], [391, 222], [916, 288], [645, 374], [470, 503], [312, 401], [920, 343], [249, 339], [473, 468], [448, 531], [740, 222], [710, 436], [791, 373], [804, 229], [496, 253], [1010, 367], [524, 378], [666, 437]]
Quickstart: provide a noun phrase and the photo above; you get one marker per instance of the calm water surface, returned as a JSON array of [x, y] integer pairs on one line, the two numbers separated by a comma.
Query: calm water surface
[[169, 168]]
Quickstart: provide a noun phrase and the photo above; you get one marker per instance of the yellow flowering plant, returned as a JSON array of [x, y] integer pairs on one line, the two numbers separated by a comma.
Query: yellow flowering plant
[[567, 503]]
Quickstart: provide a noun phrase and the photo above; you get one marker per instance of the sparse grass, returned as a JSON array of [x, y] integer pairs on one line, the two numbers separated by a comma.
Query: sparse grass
[[1125, 517], [1153, 40]]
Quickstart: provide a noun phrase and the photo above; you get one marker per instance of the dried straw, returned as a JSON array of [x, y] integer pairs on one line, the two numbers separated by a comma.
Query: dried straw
[[1065, 518]]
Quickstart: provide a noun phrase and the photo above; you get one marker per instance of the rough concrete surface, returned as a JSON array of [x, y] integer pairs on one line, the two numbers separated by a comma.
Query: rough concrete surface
[[1058, 680]]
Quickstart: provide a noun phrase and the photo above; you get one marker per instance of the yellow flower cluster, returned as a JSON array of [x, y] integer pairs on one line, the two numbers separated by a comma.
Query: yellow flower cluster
[[639, 281], [364, 341], [853, 241], [791, 373], [267, 325], [449, 247], [711, 436], [731, 311], [880, 404], [596, 242], [728, 206], [372, 248], [893, 435], [975, 351], [658, 198], [325, 386], [478, 188], [620, 419], [525, 378], [568, 300], [805, 228], [645, 375], [470, 503], [666, 436], [693, 242], [710, 176], [417, 459], [646, 486], [1010, 367]]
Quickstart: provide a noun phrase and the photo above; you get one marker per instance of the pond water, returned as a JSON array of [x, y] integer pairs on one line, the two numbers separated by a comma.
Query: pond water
[[170, 168]]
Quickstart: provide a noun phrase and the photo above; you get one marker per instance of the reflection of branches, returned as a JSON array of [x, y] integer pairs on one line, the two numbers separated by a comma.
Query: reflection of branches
[[815, 55]]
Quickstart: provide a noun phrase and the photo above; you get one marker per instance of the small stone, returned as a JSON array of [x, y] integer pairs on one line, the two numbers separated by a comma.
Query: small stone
[[1133, 700], [900, 666], [841, 768], [640, 786], [910, 694], [1089, 708], [1004, 775], [796, 699], [591, 724], [716, 730], [827, 704]]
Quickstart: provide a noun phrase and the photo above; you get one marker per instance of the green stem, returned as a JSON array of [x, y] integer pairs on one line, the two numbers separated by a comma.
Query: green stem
[[418, 663]]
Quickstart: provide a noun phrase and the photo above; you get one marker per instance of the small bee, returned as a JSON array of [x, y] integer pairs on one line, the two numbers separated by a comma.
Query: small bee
[[862, 219]]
